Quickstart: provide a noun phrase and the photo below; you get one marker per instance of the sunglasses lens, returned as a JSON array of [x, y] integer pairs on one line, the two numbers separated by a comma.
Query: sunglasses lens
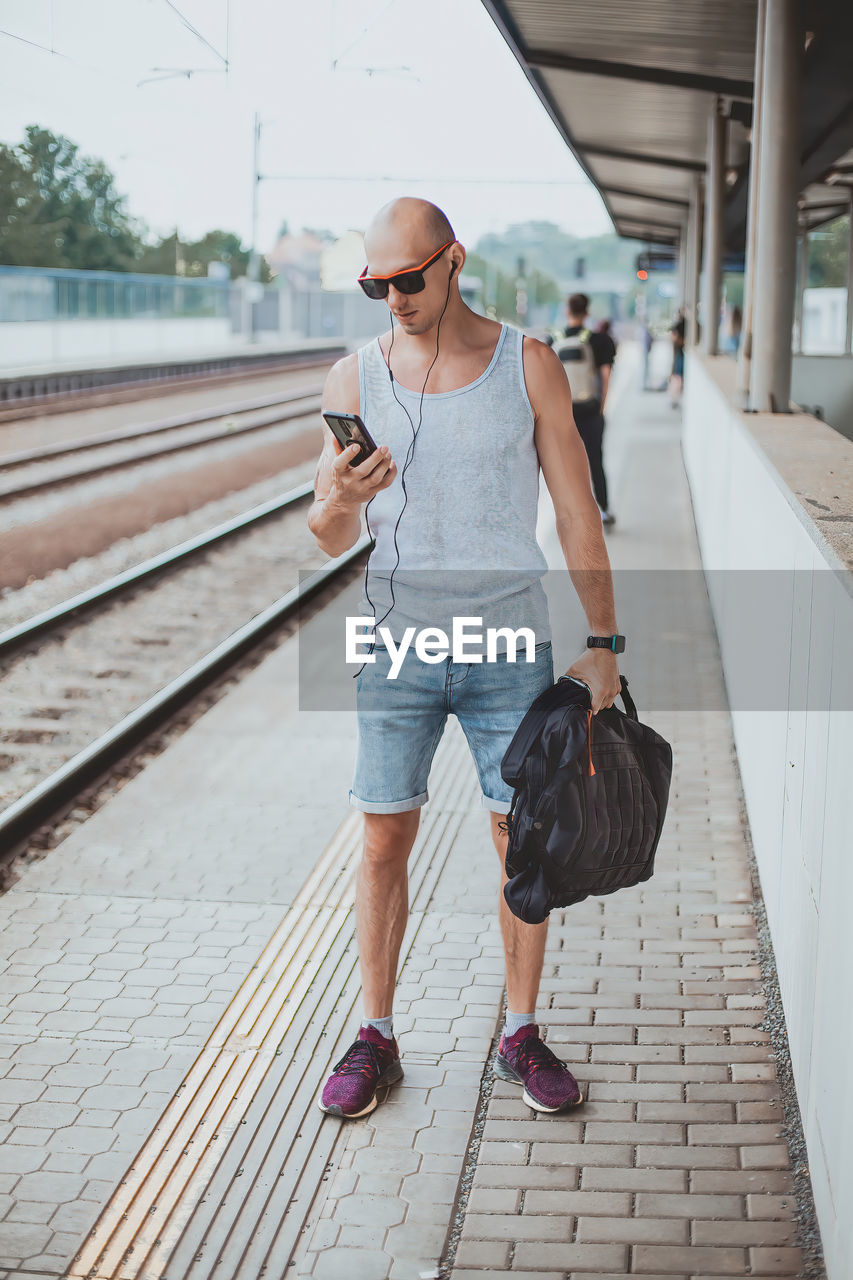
[[409, 282], [375, 289]]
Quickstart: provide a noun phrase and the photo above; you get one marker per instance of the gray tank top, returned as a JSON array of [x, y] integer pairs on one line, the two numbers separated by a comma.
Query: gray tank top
[[467, 537]]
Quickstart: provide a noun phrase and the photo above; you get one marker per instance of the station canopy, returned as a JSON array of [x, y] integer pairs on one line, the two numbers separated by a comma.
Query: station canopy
[[630, 85]]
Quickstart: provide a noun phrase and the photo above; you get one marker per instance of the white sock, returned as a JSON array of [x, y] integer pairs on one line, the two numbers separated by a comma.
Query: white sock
[[382, 1025], [515, 1021]]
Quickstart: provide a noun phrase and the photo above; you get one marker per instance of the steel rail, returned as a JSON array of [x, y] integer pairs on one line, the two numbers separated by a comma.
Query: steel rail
[[41, 623], [45, 451], [26, 813], [26, 395], [179, 446]]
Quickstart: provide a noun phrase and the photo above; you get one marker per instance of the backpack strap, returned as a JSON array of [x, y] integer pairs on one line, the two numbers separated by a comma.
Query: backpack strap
[[627, 701]]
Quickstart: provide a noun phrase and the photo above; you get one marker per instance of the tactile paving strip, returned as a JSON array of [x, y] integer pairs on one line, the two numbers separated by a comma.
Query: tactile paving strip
[[224, 1182]]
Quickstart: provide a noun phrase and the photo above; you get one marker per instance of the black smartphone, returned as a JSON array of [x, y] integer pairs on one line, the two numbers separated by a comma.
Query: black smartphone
[[348, 429]]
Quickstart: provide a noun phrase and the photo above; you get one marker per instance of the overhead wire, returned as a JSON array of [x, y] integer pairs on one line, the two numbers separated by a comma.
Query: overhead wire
[[195, 31]]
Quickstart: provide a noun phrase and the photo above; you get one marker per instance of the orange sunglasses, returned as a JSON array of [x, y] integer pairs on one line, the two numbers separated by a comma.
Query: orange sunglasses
[[411, 281]]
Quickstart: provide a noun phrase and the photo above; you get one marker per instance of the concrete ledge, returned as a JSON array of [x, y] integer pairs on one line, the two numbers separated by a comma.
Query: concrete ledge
[[810, 462]]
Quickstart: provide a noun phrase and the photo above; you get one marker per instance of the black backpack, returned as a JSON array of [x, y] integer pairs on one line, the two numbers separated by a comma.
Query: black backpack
[[590, 798]]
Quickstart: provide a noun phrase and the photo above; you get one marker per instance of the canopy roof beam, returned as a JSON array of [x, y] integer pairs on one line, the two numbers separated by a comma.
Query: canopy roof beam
[[546, 60], [642, 157]]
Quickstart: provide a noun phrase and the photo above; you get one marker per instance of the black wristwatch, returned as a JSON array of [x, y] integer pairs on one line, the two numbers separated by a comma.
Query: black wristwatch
[[616, 644]]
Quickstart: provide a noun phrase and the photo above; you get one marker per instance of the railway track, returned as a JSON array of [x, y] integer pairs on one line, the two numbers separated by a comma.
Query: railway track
[[39, 475], [30, 395], [115, 662]]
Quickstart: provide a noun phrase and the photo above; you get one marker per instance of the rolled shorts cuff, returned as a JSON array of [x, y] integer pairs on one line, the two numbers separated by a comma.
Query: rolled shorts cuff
[[388, 806], [495, 806]]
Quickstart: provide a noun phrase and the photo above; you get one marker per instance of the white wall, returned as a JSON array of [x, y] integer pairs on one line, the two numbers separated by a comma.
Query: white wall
[[796, 764], [51, 342]]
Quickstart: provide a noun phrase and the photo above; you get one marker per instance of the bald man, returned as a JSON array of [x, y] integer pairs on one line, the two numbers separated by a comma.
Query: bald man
[[470, 409]]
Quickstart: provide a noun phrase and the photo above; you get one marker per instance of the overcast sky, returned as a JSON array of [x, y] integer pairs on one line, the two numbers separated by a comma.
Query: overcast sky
[[427, 94]]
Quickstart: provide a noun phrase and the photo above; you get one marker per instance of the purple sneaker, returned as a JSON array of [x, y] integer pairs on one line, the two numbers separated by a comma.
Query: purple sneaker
[[548, 1083], [368, 1064]]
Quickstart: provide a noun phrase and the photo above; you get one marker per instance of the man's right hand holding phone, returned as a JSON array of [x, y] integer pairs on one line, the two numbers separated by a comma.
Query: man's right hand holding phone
[[354, 485]]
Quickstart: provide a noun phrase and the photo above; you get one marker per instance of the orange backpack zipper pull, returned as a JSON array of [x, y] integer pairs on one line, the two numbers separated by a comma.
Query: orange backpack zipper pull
[[589, 741]]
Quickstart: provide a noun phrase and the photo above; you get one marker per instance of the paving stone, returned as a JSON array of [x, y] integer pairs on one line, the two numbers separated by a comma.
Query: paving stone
[[434, 1188], [545, 1129], [483, 1255], [338, 1264], [599, 1257], [379, 1159], [369, 1210], [764, 1157], [349, 1236], [693, 1157], [17, 1159], [661, 1205], [775, 1262], [21, 1240], [503, 1200], [544, 1177], [633, 1231], [776, 1181], [688, 1260], [770, 1206], [580, 1153], [491, 1226], [419, 1240], [578, 1202], [626, 1178]]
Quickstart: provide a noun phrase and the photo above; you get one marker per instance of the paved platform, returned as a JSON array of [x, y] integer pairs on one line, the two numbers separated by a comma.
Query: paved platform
[[180, 973]]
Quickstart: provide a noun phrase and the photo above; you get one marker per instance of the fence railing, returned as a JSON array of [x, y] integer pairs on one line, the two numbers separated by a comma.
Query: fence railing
[[53, 293]]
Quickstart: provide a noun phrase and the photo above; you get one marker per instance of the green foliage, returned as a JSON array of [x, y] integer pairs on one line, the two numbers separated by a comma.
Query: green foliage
[[499, 287], [545, 247], [828, 248], [172, 256], [61, 209]]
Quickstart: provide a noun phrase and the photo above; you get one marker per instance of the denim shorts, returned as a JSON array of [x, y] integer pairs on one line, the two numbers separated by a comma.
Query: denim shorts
[[400, 723]]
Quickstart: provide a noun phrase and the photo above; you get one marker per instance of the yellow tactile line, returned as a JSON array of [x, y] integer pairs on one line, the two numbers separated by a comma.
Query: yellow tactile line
[[140, 1225]]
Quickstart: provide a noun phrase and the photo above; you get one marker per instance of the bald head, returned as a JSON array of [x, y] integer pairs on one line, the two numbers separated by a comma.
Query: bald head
[[407, 228]]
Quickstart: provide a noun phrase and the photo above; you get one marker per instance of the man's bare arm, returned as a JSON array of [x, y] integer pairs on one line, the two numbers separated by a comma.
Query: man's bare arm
[[566, 470], [340, 491]]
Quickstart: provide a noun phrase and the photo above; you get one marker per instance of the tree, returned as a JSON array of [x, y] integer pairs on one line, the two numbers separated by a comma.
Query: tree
[[196, 255], [828, 249], [26, 239], [63, 209]]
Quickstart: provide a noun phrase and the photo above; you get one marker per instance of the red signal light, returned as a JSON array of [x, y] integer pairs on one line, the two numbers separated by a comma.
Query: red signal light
[[642, 275]]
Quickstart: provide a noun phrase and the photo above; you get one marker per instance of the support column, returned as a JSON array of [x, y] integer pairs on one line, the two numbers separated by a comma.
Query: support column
[[681, 263], [713, 250], [694, 258], [778, 179], [802, 277], [745, 352], [848, 330]]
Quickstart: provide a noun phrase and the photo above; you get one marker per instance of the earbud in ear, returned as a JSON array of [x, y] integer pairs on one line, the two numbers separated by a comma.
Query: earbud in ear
[[452, 268]]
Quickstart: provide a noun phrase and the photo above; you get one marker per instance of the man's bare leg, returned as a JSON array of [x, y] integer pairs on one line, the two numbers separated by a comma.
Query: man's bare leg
[[382, 904], [524, 944]]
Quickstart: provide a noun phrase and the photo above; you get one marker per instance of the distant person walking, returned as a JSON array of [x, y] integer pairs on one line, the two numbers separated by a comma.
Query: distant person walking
[[647, 341], [735, 327], [587, 358], [678, 333]]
